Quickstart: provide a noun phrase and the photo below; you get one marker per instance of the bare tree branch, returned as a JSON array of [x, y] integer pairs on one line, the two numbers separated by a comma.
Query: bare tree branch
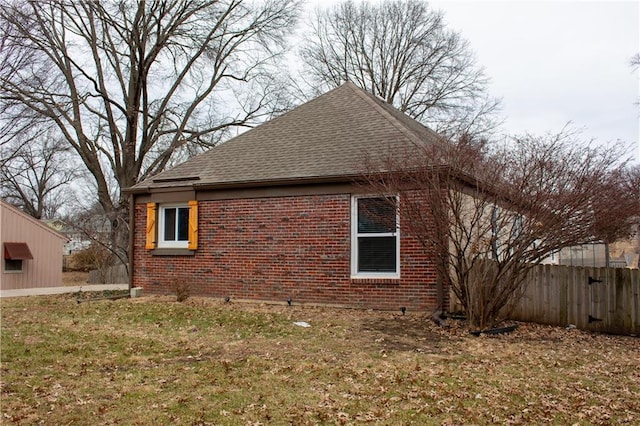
[[132, 86], [36, 179], [401, 51]]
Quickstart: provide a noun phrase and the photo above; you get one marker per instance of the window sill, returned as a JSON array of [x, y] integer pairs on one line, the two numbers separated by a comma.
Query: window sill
[[172, 252], [393, 280]]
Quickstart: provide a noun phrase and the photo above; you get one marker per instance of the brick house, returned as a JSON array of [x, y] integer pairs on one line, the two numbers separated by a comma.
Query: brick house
[[278, 213]]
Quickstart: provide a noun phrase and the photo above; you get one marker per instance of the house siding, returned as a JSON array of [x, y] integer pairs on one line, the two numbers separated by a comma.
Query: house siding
[[273, 248]]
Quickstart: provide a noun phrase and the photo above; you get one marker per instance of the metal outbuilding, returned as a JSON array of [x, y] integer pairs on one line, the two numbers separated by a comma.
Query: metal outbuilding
[[31, 251]]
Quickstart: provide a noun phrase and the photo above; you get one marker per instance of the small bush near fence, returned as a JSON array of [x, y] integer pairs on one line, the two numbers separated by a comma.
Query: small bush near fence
[[93, 257]]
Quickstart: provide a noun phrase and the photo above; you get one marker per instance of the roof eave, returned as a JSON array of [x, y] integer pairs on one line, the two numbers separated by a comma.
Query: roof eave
[[134, 190], [310, 180], [207, 186]]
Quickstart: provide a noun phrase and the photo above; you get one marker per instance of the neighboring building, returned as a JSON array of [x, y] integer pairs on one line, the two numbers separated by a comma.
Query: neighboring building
[[76, 240], [592, 255], [275, 213], [32, 251], [623, 253]]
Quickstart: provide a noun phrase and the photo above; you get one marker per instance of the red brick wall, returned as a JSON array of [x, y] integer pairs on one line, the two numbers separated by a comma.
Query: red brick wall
[[275, 248]]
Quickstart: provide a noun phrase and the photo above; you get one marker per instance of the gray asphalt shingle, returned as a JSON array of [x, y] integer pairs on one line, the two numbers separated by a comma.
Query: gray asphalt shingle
[[327, 137]]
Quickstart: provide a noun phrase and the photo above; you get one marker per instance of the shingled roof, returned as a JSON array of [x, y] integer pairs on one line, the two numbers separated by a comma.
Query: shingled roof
[[325, 139]]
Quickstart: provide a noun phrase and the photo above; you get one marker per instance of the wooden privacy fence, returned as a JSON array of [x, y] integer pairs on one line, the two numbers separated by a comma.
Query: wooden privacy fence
[[598, 299], [111, 275]]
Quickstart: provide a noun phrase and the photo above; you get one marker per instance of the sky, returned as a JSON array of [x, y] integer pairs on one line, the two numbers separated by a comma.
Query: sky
[[556, 62]]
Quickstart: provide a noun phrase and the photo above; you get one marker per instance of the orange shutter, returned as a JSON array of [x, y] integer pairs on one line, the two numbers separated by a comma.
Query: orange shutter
[[193, 225], [151, 226]]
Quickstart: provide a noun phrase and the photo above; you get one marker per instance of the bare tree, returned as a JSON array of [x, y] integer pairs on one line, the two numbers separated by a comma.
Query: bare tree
[[616, 206], [631, 186], [91, 225], [635, 64], [490, 216], [134, 85], [401, 51], [37, 175]]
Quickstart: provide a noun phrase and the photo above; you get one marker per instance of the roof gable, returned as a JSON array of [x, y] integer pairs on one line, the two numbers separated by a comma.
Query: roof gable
[[328, 137], [25, 217]]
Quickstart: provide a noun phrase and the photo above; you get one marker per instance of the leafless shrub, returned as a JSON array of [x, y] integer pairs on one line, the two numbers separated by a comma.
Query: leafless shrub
[[487, 214], [182, 288]]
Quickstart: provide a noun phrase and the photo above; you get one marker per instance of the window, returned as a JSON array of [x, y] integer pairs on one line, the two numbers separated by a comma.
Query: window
[[13, 265], [375, 248], [174, 226], [14, 255]]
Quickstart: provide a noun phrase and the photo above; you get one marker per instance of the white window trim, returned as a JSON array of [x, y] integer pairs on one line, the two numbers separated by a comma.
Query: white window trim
[[162, 243], [354, 241]]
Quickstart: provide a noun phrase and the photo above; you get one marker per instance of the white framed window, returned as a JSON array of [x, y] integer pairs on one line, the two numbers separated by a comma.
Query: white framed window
[[14, 256], [173, 230], [375, 237], [13, 265]]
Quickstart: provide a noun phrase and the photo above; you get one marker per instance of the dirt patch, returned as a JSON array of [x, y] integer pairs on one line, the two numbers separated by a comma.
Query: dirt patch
[[403, 333]]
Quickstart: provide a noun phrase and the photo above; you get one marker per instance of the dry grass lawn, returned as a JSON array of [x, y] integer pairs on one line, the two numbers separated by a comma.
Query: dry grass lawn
[[156, 361], [72, 278]]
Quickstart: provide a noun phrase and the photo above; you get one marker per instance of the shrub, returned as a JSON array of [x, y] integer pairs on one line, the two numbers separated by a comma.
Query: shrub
[[93, 257], [182, 289]]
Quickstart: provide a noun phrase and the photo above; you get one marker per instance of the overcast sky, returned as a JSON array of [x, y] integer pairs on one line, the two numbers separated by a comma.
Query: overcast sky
[[557, 61]]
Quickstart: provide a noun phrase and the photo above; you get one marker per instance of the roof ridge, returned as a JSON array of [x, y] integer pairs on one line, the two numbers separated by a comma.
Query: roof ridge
[[393, 120], [305, 104], [33, 220]]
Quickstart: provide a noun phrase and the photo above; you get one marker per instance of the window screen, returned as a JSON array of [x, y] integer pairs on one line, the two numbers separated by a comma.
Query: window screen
[[376, 254]]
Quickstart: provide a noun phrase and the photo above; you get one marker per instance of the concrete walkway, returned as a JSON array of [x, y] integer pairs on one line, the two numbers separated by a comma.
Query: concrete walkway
[[59, 290]]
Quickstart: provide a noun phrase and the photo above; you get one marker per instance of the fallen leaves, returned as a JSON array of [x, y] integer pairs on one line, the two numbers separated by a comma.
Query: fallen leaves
[[154, 361]]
